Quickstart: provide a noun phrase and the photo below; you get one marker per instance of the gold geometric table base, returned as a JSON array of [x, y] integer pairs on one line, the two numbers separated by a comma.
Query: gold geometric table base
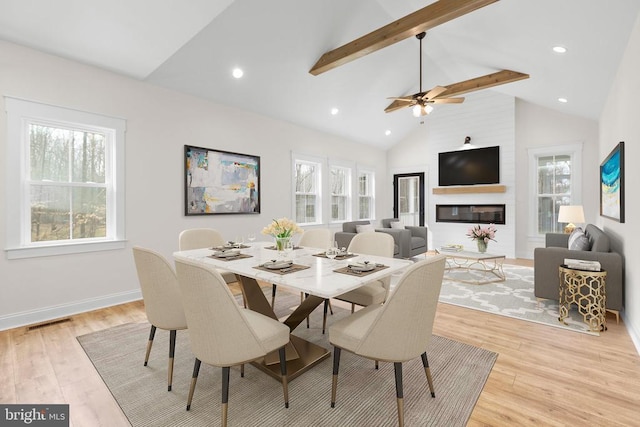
[[587, 290]]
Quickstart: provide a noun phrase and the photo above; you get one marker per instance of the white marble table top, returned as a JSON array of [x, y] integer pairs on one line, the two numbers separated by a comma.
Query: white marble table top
[[320, 279]]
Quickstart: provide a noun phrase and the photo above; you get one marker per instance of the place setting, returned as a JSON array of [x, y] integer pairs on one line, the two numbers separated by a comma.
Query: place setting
[[336, 253], [228, 254], [281, 266], [361, 268]]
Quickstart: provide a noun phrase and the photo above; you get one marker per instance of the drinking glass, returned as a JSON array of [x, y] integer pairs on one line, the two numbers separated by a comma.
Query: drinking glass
[[251, 237], [332, 252], [288, 249]]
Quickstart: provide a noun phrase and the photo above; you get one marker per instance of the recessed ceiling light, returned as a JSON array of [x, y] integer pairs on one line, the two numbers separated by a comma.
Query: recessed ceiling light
[[237, 73], [560, 49], [387, 132], [563, 100], [334, 111]]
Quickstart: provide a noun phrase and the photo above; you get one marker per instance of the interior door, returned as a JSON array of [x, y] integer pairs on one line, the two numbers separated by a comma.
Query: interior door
[[408, 198]]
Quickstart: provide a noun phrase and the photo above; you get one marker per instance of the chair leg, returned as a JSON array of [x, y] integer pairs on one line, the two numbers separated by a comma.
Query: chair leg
[[301, 299], [377, 365], [330, 307], [172, 351], [225, 395], [273, 294], [334, 379], [427, 370], [242, 370], [152, 334], [397, 366], [283, 372], [194, 378], [324, 315], [353, 308]]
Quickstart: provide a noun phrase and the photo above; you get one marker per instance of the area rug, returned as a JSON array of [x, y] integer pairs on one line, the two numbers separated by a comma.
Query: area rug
[[365, 396], [513, 298]]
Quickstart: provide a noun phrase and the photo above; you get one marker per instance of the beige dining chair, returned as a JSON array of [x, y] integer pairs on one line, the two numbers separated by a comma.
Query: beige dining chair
[[398, 330], [375, 292], [221, 332], [162, 301], [198, 238]]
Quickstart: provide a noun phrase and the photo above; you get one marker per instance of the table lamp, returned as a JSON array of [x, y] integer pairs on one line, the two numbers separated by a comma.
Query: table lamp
[[570, 214]]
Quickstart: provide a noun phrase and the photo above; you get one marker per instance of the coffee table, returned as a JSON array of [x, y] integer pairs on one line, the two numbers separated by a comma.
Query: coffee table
[[489, 266]]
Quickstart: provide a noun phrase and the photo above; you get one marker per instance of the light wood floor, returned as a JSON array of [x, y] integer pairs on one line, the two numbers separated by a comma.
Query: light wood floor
[[543, 375]]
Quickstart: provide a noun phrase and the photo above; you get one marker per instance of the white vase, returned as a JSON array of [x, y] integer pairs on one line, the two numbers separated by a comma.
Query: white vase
[[482, 245]]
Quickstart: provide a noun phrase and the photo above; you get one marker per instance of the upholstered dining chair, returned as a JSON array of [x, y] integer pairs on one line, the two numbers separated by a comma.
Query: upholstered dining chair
[[161, 296], [198, 238], [398, 330], [221, 332]]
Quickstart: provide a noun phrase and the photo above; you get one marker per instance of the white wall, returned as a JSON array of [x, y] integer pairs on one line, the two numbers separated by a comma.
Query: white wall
[[538, 127], [619, 122], [488, 118], [159, 124]]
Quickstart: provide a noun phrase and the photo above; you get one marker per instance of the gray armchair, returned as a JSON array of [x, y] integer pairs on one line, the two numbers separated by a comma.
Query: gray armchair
[[547, 260], [408, 242]]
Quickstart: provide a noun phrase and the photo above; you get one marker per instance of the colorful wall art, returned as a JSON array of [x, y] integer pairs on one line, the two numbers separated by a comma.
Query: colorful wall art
[[220, 182], [612, 184]]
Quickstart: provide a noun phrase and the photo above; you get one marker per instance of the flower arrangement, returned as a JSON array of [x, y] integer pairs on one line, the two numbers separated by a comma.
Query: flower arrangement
[[282, 228], [482, 233]]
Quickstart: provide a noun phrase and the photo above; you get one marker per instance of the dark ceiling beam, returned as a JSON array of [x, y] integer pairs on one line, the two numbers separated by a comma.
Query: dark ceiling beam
[[422, 20]]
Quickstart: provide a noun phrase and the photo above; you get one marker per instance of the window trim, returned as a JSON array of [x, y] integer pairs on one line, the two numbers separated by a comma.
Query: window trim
[[321, 163], [18, 112], [573, 150], [369, 171]]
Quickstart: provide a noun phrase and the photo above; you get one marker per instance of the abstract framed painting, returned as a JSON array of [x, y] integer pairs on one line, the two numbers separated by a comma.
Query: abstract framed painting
[[612, 184], [220, 182]]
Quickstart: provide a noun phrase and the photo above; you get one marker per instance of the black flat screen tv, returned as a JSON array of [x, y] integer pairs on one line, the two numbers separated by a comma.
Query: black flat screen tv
[[469, 167]]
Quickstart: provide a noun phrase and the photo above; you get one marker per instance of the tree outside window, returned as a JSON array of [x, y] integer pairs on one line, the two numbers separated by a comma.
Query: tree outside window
[[340, 181], [554, 190]]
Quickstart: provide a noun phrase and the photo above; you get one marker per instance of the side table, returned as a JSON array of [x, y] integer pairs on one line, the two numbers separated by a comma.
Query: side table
[[586, 289]]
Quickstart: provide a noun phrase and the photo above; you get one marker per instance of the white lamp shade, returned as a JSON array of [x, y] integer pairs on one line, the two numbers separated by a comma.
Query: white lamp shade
[[571, 214]]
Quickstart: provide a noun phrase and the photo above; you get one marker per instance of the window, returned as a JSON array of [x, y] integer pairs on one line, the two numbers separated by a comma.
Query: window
[[556, 182], [366, 191], [66, 191], [307, 191], [340, 184]]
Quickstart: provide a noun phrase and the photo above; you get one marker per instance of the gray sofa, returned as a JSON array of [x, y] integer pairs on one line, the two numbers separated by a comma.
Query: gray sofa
[[408, 242], [547, 260]]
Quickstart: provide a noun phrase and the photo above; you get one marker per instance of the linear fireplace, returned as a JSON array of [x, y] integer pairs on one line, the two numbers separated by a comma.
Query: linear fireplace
[[477, 214]]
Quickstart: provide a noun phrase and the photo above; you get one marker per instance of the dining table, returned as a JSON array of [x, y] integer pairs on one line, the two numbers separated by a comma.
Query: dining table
[[303, 269]]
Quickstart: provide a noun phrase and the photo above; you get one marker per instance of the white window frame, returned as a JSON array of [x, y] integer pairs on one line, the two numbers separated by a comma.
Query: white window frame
[[20, 113], [321, 165], [363, 170], [349, 168], [572, 150]]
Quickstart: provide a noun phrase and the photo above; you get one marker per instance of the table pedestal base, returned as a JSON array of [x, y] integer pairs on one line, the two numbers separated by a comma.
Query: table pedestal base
[[310, 355]]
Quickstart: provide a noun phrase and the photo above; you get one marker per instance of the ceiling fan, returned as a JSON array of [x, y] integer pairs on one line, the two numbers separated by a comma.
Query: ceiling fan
[[421, 101]]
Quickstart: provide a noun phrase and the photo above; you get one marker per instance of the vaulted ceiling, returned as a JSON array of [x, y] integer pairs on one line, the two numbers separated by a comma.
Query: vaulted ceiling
[[192, 46]]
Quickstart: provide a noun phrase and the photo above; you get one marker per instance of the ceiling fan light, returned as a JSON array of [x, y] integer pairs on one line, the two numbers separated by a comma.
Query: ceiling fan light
[[417, 110], [428, 109]]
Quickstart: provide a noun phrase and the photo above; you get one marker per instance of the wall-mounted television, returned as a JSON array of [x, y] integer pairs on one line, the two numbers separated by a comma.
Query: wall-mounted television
[[469, 167]]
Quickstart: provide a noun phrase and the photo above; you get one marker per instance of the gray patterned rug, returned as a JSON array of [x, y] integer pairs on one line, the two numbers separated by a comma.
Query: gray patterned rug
[[513, 298], [366, 397]]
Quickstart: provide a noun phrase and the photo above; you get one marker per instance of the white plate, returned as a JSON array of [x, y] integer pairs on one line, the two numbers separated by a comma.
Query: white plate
[[226, 254], [362, 267], [277, 265]]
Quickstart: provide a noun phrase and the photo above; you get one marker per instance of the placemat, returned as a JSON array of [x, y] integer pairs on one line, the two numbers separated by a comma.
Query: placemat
[[338, 257], [232, 258], [291, 269], [228, 248], [347, 270]]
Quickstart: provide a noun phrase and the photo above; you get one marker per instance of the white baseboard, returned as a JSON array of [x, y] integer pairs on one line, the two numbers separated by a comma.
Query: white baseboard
[[60, 311], [633, 333]]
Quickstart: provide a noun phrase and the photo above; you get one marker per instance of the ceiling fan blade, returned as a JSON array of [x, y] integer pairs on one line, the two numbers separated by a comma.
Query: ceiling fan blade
[[397, 105], [402, 98], [434, 92], [448, 100], [484, 82], [422, 20]]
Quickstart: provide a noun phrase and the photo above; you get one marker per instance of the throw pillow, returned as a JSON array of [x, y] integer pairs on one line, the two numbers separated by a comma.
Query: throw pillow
[[365, 228], [397, 224], [578, 241]]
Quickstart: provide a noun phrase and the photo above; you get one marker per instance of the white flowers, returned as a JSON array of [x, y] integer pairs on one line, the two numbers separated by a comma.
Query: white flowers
[[282, 227], [482, 233]]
